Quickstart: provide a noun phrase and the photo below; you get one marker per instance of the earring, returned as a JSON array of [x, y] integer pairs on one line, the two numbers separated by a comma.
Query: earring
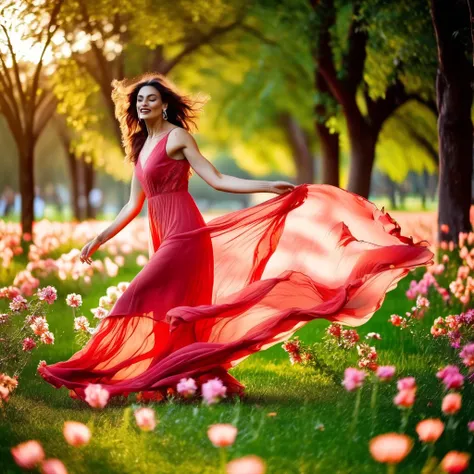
[[165, 115]]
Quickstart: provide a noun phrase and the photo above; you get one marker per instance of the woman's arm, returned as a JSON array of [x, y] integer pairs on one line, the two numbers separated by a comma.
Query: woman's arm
[[124, 217], [223, 182]]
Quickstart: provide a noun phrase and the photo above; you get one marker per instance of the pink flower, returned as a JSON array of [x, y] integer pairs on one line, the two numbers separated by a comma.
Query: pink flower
[[451, 403], [430, 430], [96, 396], [53, 466], [406, 383], [4, 393], [28, 344], [99, 313], [470, 426], [18, 303], [74, 300], [250, 464], [186, 387], [405, 398], [213, 390], [222, 434], [28, 454], [39, 325], [353, 379], [48, 294], [385, 372], [81, 323], [451, 377], [351, 337], [467, 355], [76, 434], [390, 448], [455, 462], [145, 418], [47, 337]]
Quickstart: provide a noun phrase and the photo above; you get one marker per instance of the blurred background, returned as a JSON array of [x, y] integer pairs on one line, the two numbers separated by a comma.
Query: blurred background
[[340, 92]]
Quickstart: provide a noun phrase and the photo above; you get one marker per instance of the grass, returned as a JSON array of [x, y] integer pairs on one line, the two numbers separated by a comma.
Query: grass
[[309, 433]]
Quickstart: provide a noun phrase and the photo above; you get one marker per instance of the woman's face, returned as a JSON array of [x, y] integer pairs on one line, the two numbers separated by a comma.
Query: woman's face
[[149, 104]]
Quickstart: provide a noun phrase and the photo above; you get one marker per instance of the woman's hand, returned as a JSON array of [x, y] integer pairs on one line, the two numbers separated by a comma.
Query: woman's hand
[[280, 187], [89, 249]]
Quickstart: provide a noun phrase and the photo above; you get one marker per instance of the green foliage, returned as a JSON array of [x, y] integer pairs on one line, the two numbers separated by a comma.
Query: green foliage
[[398, 151], [401, 44]]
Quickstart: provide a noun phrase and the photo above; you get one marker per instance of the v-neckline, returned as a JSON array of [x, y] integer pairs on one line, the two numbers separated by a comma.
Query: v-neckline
[[143, 166]]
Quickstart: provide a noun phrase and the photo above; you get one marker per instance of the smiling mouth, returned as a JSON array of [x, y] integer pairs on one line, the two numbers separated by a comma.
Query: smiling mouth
[[144, 111]]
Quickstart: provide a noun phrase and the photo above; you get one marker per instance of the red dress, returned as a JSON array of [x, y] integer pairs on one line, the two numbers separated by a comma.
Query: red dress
[[211, 295]]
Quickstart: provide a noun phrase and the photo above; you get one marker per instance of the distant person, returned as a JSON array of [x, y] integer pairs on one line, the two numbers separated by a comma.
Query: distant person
[[8, 200], [214, 293], [96, 200]]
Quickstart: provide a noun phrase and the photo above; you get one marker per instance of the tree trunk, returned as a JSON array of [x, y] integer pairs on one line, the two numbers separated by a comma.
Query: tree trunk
[[329, 155], [363, 141], [329, 142], [302, 156], [27, 189], [454, 100]]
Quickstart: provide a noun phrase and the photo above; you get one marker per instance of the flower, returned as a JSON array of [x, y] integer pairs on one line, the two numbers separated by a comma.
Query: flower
[[186, 387], [451, 403], [455, 462], [451, 377], [81, 323], [53, 466], [96, 396], [353, 379], [28, 344], [74, 300], [390, 448], [250, 464], [396, 320], [374, 335], [76, 434], [335, 330], [406, 383], [222, 434], [28, 454], [39, 325], [18, 303], [47, 337], [470, 426], [405, 398], [213, 390], [145, 418], [385, 372], [467, 355], [351, 337], [430, 430], [4, 393], [48, 294], [99, 313]]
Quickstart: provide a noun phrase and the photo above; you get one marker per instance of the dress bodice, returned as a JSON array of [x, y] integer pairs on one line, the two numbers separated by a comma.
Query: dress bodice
[[161, 174]]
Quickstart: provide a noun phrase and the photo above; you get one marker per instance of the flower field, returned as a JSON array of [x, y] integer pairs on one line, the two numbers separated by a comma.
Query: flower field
[[396, 394]]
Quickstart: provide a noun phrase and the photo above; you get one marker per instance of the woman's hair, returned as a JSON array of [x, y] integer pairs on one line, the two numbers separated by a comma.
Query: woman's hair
[[181, 110]]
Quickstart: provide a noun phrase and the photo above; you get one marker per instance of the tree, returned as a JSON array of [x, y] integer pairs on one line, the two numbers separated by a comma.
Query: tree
[[451, 22], [25, 101]]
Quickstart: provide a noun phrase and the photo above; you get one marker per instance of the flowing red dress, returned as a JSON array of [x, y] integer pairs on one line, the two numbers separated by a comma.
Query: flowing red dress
[[213, 294]]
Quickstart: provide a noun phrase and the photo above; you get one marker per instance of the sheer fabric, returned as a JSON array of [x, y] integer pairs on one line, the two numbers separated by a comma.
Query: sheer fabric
[[213, 294]]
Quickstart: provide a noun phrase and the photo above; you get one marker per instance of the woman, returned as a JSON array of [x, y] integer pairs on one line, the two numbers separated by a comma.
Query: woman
[[212, 294]]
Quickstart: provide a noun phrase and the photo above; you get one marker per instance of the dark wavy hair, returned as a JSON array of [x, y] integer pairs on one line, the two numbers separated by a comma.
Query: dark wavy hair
[[182, 110]]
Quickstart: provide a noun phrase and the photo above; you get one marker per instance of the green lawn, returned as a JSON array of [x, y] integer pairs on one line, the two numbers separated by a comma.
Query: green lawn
[[290, 442]]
